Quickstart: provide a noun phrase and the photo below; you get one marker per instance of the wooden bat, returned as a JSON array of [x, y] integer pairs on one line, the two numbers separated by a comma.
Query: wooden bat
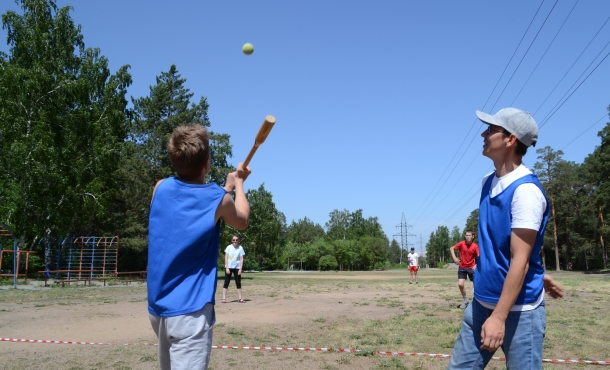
[[263, 132]]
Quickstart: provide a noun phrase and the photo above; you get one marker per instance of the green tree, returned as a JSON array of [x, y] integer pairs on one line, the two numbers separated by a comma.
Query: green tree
[[432, 254], [168, 106], [62, 124], [328, 263], [304, 231], [596, 168], [338, 224], [345, 253], [546, 170], [568, 199], [292, 255], [359, 227], [144, 158], [379, 249], [263, 239], [437, 248], [394, 252], [456, 236], [472, 224]]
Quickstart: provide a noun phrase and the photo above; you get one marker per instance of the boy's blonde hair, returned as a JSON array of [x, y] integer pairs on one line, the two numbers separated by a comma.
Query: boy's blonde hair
[[189, 150]]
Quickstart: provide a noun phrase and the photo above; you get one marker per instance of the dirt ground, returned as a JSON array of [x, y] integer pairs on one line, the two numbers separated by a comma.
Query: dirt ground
[[126, 319], [282, 309]]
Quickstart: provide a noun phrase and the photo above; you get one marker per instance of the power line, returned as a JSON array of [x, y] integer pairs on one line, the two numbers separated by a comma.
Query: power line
[[546, 120], [543, 55], [577, 87], [524, 55], [582, 133], [458, 180], [475, 121], [569, 69]]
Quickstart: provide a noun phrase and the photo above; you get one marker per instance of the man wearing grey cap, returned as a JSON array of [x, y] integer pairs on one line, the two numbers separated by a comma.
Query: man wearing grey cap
[[508, 306]]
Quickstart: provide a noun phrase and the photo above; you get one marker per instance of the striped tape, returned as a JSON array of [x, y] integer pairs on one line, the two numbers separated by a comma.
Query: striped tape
[[310, 349]]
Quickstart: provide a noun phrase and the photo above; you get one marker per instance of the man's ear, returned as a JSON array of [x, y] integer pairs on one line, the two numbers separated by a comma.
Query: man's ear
[[512, 141]]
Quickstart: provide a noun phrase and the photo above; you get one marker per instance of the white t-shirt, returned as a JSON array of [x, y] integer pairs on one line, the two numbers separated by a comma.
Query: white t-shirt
[[413, 258], [527, 209], [528, 203], [233, 256]]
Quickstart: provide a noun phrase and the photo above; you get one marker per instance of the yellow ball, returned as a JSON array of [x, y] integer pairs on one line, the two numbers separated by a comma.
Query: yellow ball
[[248, 48]]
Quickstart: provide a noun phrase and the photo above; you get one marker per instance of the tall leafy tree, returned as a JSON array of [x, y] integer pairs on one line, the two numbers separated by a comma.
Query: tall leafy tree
[[597, 175], [338, 224], [437, 248], [456, 236], [394, 252], [62, 124], [345, 253], [546, 170], [263, 239], [568, 196], [304, 231], [167, 106], [376, 248], [144, 156], [472, 224]]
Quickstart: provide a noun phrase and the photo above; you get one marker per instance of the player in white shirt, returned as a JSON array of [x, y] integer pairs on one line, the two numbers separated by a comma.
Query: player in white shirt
[[413, 265]]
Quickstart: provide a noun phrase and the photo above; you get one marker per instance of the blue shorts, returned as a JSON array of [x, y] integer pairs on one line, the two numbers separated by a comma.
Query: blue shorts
[[463, 273]]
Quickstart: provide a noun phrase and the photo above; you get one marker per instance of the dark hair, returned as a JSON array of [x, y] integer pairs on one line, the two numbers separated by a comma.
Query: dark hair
[[521, 148], [469, 231], [189, 150]]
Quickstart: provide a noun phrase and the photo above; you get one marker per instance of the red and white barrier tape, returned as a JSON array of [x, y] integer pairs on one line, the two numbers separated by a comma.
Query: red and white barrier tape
[[312, 349]]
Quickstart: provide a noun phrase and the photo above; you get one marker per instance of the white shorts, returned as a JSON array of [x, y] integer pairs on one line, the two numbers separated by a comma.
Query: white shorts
[[185, 341]]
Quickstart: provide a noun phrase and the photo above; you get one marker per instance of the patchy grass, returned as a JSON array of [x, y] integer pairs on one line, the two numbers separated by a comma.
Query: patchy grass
[[380, 312]]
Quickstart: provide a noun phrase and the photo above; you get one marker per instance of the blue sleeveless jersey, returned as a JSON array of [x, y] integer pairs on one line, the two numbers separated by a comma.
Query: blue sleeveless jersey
[[183, 243], [494, 243]]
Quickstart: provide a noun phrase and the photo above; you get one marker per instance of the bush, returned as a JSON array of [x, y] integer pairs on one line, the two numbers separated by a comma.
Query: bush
[[384, 266], [442, 265], [252, 265], [328, 263]]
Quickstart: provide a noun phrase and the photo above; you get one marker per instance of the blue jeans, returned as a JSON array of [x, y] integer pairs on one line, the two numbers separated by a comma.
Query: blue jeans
[[523, 339]]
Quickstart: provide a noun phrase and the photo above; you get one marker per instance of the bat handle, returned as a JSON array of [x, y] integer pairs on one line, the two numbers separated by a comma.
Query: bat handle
[[252, 151]]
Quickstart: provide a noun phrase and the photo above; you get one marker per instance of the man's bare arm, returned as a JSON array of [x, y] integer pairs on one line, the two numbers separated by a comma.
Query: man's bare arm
[[455, 259], [236, 213]]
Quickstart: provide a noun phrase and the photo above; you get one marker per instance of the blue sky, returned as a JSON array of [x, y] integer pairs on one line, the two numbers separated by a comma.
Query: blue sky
[[374, 100]]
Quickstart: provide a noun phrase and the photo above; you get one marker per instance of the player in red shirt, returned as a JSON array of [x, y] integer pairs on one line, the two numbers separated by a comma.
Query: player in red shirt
[[469, 252]]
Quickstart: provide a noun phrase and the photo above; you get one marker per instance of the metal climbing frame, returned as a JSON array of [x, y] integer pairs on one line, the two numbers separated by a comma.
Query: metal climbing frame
[[5, 233], [83, 257]]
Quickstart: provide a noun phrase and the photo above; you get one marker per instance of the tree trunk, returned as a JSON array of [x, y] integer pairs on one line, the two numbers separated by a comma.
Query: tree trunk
[[584, 257], [601, 236], [555, 234]]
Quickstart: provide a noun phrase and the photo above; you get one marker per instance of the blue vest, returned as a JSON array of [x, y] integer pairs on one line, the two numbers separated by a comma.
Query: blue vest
[[183, 243], [494, 243]]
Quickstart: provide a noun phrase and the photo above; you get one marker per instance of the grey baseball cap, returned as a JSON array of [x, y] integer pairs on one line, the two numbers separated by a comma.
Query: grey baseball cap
[[515, 121]]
